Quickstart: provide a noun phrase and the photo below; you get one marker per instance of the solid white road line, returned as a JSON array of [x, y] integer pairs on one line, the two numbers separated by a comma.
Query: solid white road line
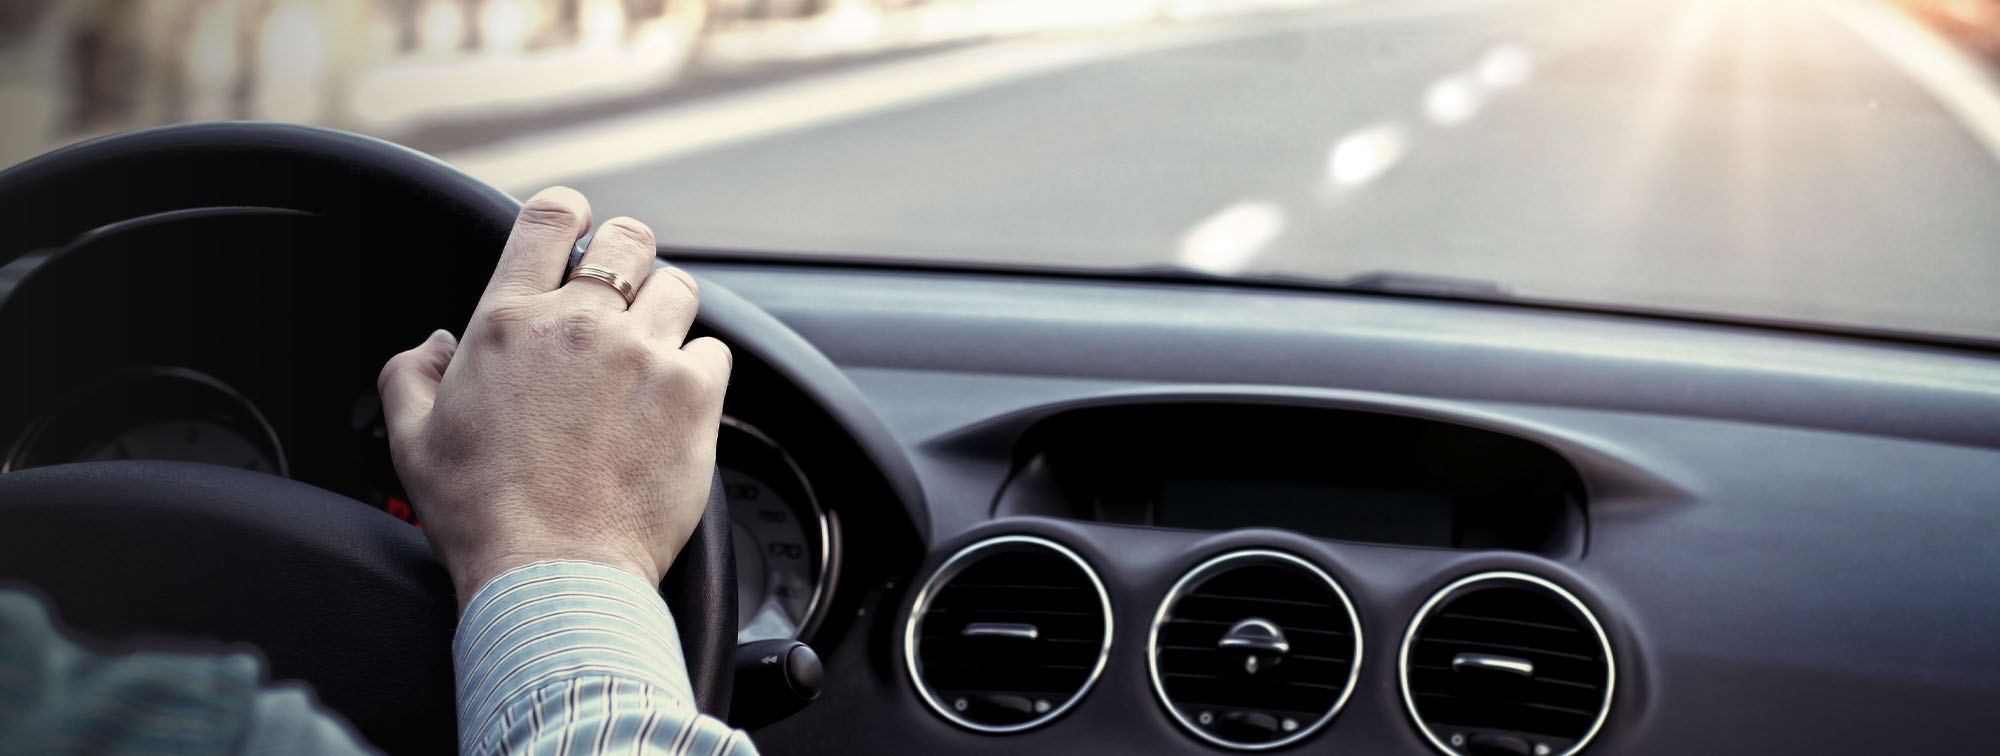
[[1224, 243]]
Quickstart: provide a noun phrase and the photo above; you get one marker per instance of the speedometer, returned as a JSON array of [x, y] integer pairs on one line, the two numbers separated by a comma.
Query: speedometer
[[784, 542], [152, 413]]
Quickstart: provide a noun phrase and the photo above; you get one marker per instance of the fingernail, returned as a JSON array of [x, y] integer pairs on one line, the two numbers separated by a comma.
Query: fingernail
[[444, 336]]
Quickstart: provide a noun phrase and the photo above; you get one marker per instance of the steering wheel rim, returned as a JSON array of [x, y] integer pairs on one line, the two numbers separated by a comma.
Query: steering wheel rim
[[73, 191]]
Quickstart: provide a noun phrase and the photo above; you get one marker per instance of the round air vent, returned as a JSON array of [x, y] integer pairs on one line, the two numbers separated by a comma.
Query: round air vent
[[1008, 634], [1506, 662], [1254, 649]]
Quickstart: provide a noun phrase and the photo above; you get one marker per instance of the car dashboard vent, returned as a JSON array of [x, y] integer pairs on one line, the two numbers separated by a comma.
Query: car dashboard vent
[[1254, 649], [1506, 662], [1008, 634]]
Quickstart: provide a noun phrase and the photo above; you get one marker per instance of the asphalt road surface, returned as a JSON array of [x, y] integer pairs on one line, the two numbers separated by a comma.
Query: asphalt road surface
[[1757, 157]]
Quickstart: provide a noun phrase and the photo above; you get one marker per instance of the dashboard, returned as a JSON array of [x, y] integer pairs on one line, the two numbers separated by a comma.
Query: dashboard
[[1019, 513], [1474, 528]]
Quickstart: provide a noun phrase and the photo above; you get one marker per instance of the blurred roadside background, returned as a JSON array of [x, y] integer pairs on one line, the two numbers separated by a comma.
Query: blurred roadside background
[[1823, 161], [437, 74], [446, 74]]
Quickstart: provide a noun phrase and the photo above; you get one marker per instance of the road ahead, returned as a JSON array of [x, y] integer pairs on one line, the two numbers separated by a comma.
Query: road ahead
[[1747, 156]]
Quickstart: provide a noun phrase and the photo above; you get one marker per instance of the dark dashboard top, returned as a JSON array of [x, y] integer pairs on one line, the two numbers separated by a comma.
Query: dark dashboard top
[[914, 320]]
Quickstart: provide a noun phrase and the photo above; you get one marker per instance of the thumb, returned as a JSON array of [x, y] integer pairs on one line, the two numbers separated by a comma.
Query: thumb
[[409, 382]]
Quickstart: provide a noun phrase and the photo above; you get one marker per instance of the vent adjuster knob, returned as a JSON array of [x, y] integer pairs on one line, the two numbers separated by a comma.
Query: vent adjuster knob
[[1253, 644]]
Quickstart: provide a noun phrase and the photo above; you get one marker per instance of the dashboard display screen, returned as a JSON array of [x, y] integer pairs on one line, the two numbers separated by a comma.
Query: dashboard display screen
[[1379, 515]]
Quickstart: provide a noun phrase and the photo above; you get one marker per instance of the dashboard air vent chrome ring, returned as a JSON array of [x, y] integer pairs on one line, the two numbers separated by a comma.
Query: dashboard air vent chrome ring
[[1509, 658], [1254, 649], [1008, 634]]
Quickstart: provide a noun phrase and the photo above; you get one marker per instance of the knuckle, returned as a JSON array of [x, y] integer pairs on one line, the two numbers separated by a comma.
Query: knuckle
[[581, 329], [496, 325], [684, 377], [686, 279], [627, 230], [550, 213]]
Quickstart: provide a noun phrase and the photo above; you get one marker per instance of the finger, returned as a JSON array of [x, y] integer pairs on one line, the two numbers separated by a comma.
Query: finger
[[668, 300], [537, 249], [624, 246], [409, 382], [713, 359]]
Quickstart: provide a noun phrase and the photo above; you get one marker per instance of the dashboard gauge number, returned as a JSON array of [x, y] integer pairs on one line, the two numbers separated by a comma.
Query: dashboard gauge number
[[778, 533], [774, 578]]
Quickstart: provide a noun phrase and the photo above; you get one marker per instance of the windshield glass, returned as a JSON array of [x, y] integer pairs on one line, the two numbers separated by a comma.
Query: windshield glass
[[1829, 162]]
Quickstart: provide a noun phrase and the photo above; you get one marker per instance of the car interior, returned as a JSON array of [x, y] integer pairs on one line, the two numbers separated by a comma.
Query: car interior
[[969, 509]]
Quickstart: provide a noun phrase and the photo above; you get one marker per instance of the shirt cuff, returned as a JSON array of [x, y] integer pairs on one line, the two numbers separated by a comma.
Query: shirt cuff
[[553, 621]]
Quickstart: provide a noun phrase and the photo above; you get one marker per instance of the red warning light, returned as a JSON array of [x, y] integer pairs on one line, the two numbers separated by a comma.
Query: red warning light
[[400, 507]]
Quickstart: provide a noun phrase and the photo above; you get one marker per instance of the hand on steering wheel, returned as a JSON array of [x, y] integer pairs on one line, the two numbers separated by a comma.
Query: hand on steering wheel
[[572, 422]]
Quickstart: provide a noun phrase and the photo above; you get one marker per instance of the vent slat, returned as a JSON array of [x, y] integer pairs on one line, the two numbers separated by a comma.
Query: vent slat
[[1538, 678], [1472, 643], [961, 585], [1510, 621], [983, 665], [1524, 705], [1321, 686], [1325, 659], [1011, 580], [1510, 615], [1260, 601], [935, 610]]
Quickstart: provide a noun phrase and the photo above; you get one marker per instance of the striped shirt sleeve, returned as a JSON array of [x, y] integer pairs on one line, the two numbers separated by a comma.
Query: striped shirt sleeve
[[567, 657]]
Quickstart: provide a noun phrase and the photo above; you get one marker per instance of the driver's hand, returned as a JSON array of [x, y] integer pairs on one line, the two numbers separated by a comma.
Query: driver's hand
[[566, 425]]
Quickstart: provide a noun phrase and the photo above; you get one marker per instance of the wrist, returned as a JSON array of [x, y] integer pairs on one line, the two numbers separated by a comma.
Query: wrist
[[475, 573]]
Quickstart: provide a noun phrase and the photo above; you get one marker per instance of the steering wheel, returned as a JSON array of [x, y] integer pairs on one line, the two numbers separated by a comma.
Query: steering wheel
[[331, 590]]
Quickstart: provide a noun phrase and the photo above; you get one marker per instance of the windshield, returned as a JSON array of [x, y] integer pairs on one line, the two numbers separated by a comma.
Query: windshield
[[1827, 162]]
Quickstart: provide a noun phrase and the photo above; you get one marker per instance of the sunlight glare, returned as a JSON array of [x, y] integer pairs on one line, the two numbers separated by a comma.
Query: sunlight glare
[[1667, 96]]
